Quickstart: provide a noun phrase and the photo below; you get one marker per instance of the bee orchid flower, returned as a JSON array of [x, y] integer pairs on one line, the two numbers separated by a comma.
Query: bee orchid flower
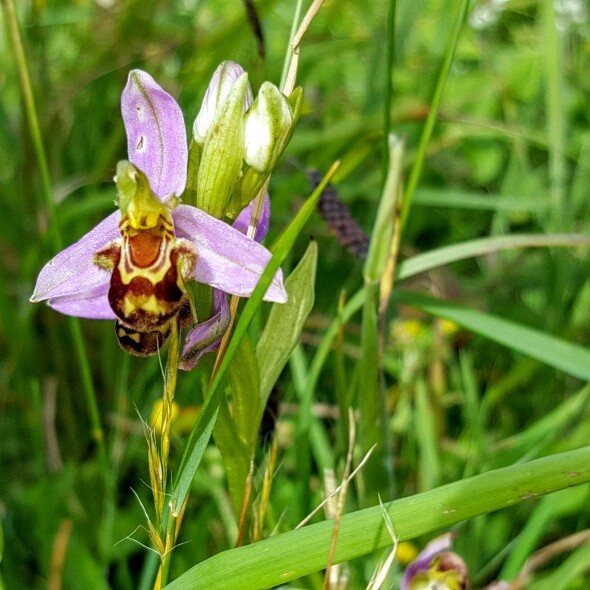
[[132, 266]]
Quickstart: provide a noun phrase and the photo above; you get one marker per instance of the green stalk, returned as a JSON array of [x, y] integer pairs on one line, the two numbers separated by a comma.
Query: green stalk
[[363, 532], [288, 50], [433, 112], [378, 472], [554, 90], [37, 141], [170, 534], [169, 391], [388, 98]]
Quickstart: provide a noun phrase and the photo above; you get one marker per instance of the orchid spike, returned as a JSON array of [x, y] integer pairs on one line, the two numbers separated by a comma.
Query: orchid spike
[[133, 265]]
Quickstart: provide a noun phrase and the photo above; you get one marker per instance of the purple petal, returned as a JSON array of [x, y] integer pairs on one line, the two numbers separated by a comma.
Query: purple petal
[[189, 363], [227, 259], [94, 305], [207, 335], [420, 564], [72, 274], [243, 220], [156, 136]]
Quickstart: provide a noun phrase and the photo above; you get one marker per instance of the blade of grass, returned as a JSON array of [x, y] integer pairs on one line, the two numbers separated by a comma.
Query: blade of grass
[[388, 75], [433, 111], [370, 394], [429, 468], [482, 246], [564, 503], [435, 197], [40, 154], [363, 531], [572, 570], [553, 351], [552, 46]]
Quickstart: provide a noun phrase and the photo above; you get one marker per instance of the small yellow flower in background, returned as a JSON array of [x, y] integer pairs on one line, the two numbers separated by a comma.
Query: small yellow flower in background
[[406, 553], [407, 331], [448, 328], [156, 417], [185, 420]]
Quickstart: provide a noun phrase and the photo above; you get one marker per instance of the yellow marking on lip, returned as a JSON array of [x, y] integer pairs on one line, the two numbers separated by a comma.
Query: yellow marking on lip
[[154, 273], [149, 303]]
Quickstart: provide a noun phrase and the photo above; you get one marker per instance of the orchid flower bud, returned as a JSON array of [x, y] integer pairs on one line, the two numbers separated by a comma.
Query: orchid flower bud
[[269, 125], [223, 152], [218, 115], [222, 82]]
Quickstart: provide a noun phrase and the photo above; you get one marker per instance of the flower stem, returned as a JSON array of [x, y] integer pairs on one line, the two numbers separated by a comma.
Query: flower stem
[[39, 150], [169, 536], [169, 390]]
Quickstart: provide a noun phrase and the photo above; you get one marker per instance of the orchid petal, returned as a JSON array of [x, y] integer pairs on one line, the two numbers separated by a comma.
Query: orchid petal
[[72, 274], [227, 259], [243, 220], [156, 136], [421, 563], [93, 305], [188, 364], [207, 335]]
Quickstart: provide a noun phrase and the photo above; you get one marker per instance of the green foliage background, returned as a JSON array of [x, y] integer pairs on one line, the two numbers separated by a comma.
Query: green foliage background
[[510, 154]]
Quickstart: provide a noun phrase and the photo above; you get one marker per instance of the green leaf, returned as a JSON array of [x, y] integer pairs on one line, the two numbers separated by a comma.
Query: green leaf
[[235, 432], [285, 323], [363, 531], [433, 110], [482, 246], [236, 457], [553, 351], [201, 432], [245, 387]]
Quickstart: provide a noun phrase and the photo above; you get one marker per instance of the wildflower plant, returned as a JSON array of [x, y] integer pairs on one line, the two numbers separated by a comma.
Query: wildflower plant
[[135, 266]]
